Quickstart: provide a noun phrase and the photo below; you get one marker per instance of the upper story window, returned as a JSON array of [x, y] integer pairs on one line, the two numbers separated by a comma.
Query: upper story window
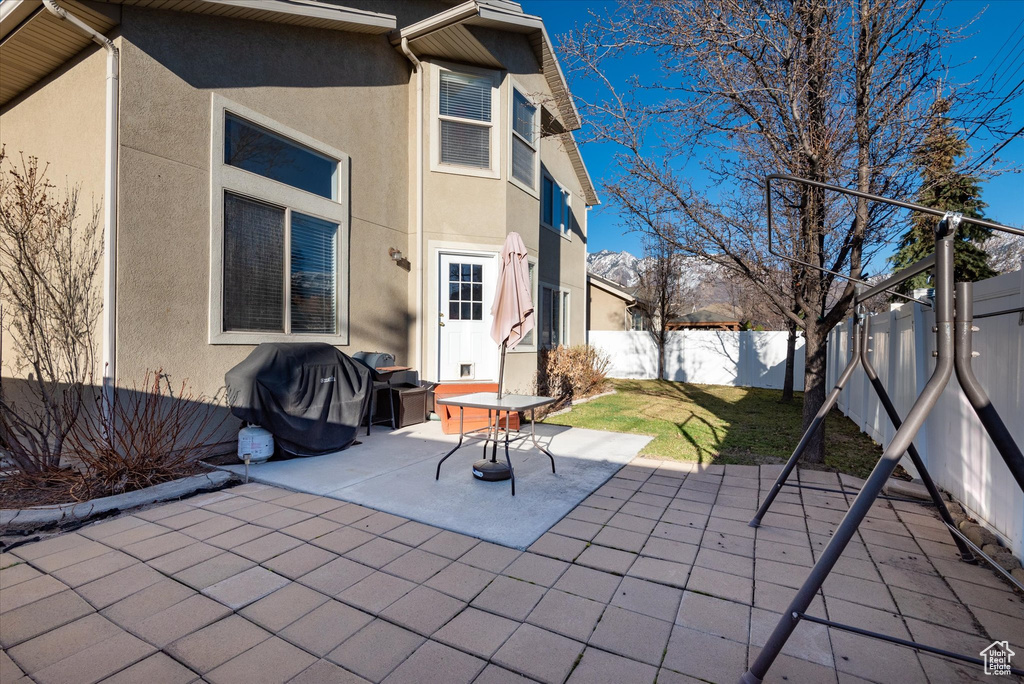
[[280, 238], [525, 160], [555, 207], [466, 123]]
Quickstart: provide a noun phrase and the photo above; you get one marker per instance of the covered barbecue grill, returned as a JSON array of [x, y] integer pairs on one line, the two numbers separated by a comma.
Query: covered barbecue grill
[[310, 396]]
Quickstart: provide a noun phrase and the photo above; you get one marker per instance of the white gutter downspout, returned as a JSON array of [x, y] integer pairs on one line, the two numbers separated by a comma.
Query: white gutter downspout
[[417, 67], [109, 357]]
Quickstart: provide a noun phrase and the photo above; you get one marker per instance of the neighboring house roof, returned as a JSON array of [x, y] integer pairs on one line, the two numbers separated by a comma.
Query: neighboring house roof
[[610, 287], [705, 316], [34, 43], [446, 35]]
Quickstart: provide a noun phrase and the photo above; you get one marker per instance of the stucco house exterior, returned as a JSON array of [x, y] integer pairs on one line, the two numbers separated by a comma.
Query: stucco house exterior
[[293, 170], [609, 305]]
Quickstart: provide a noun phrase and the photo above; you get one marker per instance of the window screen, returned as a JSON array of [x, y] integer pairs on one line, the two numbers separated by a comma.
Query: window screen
[[465, 144], [548, 201], [523, 138], [249, 147], [465, 96], [314, 246], [464, 105], [253, 265]]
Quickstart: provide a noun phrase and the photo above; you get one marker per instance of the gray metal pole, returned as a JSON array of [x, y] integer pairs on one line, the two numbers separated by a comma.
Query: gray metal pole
[[987, 413], [501, 377], [883, 469], [819, 418], [915, 457]]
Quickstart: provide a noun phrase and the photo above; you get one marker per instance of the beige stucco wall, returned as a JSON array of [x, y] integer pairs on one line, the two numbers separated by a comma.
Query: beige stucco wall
[[61, 122], [475, 214], [351, 92], [346, 90], [607, 312]]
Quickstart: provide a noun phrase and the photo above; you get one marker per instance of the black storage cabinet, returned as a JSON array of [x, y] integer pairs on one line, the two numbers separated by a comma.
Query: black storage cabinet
[[410, 403]]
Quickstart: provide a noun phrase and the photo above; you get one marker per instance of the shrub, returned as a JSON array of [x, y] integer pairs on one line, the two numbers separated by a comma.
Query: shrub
[[145, 436], [568, 372]]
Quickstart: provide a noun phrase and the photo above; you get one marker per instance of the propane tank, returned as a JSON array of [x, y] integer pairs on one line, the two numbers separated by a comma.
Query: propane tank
[[255, 443]]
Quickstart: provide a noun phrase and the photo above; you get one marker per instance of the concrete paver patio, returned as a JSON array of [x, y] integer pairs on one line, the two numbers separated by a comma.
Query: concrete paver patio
[[656, 575]]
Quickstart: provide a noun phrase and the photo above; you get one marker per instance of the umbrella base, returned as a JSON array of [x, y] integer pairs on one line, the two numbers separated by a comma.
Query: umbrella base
[[491, 471]]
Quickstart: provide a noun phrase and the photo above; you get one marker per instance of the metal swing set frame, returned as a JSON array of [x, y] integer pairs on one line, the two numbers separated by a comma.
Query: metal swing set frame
[[953, 329]]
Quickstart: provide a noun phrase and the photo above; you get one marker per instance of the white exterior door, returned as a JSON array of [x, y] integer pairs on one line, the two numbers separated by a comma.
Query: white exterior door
[[466, 351]]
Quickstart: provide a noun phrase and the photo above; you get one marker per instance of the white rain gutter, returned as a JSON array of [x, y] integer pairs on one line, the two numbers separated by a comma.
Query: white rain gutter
[[109, 356], [417, 68]]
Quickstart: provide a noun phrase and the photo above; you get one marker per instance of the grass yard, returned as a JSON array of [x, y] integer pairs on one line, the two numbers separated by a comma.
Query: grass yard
[[717, 424]]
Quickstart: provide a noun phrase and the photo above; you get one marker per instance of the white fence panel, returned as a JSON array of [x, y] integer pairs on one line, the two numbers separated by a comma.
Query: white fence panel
[[633, 355], [953, 444], [709, 357]]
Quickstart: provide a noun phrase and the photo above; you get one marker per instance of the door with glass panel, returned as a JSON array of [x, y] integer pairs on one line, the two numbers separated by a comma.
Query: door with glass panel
[[466, 351]]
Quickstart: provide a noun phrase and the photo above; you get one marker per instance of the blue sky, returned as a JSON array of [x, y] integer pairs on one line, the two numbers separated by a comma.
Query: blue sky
[[1000, 21]]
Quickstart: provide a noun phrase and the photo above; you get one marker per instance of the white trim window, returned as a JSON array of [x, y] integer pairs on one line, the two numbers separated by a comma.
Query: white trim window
[[525, 160], [465, 136], [553, 316], [279, 232], [528, 343], [555, 206]]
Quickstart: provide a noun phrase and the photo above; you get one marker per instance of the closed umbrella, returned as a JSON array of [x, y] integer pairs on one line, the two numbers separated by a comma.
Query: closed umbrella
[[512, 310]]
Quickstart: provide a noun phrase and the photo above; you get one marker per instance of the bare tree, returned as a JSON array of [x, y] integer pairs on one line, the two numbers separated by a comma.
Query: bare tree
[[660, 290], [834, 91], [50, 260]]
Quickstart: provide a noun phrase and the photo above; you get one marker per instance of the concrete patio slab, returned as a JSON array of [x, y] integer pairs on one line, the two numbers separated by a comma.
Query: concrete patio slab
[[394, 472], [452, 608]]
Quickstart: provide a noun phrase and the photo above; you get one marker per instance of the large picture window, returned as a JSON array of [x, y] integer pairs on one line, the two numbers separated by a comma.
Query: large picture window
[[466, 122], [279, 218]]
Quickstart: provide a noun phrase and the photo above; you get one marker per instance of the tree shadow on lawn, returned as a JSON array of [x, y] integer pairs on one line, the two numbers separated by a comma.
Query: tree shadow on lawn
[[720, 424]]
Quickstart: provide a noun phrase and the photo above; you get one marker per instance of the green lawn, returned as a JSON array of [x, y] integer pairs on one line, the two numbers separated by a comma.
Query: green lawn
[[716, 424]]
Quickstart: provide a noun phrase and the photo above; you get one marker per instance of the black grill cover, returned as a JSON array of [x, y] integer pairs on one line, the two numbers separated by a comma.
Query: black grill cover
[[310, 396]]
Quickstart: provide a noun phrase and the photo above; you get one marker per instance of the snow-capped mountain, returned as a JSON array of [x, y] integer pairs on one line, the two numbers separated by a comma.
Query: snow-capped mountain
[[619, 267], [622, 268]]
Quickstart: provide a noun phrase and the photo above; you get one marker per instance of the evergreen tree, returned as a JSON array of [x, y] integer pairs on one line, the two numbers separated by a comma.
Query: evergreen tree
[[943, 187]]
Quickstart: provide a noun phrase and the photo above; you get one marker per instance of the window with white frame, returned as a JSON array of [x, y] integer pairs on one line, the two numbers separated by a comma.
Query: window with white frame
[[466, 122], [527, 343], [279, 217], [553, 316], [525, 125], [555, 206]]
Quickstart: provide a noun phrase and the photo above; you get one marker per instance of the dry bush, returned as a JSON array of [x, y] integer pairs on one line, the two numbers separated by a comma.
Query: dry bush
[[145, 436], [49, 298], [572, 372], [141, 437]]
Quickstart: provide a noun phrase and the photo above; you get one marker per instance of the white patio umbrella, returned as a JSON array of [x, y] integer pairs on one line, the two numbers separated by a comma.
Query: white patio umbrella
[[512, 310]]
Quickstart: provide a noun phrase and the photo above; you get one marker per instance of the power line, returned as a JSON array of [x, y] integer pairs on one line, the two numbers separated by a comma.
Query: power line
[[996, 150], [997, 52], [996, 70], [992, 111]]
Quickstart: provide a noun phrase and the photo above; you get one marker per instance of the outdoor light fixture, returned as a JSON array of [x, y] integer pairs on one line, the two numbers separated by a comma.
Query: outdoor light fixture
[[399, 258]]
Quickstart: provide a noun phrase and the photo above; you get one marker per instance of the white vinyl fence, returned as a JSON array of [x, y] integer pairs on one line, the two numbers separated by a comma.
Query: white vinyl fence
[[953, 444], [709, 357]]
